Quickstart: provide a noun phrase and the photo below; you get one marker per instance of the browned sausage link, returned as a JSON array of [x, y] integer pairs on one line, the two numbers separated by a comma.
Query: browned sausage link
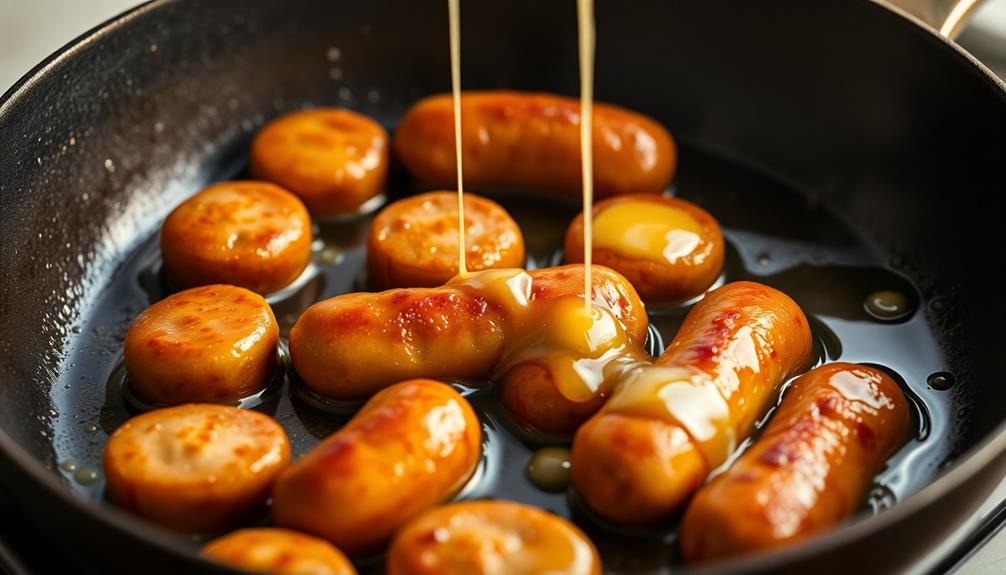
[[667, 425], [412, 446], [491, 537], [279, 552], [834, 430], [533, 140], [350, 346]]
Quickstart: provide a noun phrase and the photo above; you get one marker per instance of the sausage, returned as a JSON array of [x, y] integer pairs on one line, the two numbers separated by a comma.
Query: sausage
[[668, 425], [350, 346], [414, 241], [334, 159], [810, 469], [488, 538], [533, 400], [670, 249], [279, 552], [195, 468], [533, 141], [254, 235], [412, 446], [213, 343], [566, 367]]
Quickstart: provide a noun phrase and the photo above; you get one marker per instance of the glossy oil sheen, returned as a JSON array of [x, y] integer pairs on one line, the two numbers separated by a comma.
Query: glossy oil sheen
[[647, 230], [774, 235]]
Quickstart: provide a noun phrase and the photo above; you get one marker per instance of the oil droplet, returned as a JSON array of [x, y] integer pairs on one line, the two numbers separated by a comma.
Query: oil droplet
[[333, 54], [68, 466], [53, 413], [75, 329], [938, 304], [941, 380], [550, 468], [85, 475], [330, 255], [887, 305], [109, 165], [881, 498], [345, 93], [335, 73], [90, 428], [763, 259]]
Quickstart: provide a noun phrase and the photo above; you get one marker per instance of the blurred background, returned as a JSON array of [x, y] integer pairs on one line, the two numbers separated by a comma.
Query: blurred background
[[30, 30]]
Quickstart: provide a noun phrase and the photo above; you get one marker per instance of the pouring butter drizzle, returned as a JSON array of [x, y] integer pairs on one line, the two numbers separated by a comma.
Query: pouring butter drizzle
[[453, 14], [585, 29]]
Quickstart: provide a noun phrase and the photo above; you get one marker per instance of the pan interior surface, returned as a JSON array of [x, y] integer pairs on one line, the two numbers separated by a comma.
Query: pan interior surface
[[834, 173]]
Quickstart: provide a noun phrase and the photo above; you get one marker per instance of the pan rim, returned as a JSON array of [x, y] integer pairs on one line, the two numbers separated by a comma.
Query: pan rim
[[986, 450]]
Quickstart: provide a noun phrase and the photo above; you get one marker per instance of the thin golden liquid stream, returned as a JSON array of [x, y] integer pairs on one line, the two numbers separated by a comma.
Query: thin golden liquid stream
[[453, 12], [585, 18]]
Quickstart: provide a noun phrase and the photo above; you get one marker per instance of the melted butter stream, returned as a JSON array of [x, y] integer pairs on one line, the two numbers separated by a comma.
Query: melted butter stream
[[647, 230], [587, 352], [585, 31], [454, 17], [583, 346]]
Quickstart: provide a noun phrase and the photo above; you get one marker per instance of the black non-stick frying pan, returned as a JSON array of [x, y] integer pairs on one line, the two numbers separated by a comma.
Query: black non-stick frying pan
[[843, 146]]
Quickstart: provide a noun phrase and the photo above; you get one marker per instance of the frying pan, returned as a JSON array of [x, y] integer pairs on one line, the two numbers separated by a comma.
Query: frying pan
[[875, 117]]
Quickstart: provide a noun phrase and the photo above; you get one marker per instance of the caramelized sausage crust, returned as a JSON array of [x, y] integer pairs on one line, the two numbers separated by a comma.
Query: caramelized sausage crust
[[533, 141], [491, 538], [810, 469], [414, 241], [213, 343], [350, 346], [667, 425], [334, 159], [195, 468], [279, 552], [412, 446], [254, 235]]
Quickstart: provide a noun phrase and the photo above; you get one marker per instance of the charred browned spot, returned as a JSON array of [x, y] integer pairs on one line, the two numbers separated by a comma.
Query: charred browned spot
[[781, 452], [319, 139], [284, 558], [623, 303], [867, 438], [746, 476], [399, 296], [340, 123], [632, 445], [427, 538], [726, 318], [828, 405], [348, 320], [476, 306], [537, 291], [704, 351]]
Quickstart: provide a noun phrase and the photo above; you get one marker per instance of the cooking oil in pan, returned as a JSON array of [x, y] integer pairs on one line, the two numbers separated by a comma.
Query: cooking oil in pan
[[774, 236]]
